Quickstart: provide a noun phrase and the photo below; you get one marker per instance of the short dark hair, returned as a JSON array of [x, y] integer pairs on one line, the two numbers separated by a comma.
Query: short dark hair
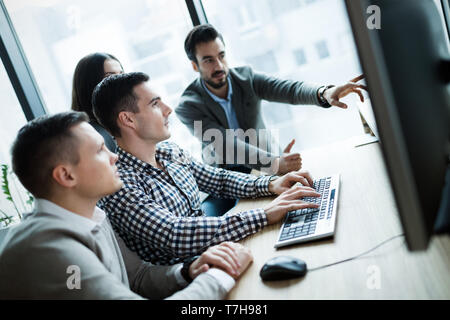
[[200, 34], [115, 94], [41, 145], [88, 73]]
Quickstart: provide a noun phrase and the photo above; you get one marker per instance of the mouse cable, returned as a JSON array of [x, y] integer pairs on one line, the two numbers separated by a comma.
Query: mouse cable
[[359, 255]]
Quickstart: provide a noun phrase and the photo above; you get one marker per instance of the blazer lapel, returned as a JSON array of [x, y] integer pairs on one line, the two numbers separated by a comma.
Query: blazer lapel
[[238, 104]]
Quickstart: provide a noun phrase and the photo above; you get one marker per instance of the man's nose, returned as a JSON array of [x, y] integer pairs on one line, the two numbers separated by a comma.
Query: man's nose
[[167, 109], [113, 157], [219, 64]]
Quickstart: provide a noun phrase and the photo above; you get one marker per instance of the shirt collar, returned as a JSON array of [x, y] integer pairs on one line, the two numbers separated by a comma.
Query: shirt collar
[[43, 205], [130, 160], [162, 153], [216, 98]]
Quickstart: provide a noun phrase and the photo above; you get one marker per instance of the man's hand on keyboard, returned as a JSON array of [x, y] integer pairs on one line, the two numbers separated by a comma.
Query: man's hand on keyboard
[[284, 183], [289, 200]]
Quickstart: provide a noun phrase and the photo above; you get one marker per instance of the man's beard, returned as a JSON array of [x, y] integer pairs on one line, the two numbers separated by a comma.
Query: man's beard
[[217, 85]]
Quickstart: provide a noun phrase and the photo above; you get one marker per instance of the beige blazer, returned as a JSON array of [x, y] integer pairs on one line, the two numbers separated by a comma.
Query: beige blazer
[[41, 258]]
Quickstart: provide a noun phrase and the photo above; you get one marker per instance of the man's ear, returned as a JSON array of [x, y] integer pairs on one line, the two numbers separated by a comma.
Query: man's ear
[[126, 119], [194, 66], [64, 176]]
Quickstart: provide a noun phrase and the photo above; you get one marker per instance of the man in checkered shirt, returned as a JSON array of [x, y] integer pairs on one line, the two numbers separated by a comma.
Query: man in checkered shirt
[[158, 210]]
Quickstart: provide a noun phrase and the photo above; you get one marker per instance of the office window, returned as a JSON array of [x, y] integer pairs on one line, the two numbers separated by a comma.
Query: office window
[[322, 49], [281, 6], [300, 37], [265, 61], [144, 35], [246, 16], [11, 120], [300, 57]]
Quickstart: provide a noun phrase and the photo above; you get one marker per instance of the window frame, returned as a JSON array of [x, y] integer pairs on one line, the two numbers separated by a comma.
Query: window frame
[[18, 69]]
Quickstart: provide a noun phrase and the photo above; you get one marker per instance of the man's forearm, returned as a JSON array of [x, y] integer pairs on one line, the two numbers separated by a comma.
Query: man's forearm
[[203, 232]]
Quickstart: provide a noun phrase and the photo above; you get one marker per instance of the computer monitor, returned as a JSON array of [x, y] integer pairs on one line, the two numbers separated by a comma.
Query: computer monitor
[[406, 64]]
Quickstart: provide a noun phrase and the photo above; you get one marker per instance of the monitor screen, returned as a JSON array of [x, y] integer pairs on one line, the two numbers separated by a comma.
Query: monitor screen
[[404, 55]]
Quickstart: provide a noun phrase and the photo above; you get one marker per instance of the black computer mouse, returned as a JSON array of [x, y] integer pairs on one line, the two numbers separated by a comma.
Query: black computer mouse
[[283, 268]]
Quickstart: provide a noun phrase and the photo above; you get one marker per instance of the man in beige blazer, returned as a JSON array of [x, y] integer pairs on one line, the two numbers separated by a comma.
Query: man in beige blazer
[[66, 248]]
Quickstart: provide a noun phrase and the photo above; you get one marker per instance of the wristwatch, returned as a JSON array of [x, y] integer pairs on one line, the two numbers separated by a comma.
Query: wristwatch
[[185, 269], [323, 102]]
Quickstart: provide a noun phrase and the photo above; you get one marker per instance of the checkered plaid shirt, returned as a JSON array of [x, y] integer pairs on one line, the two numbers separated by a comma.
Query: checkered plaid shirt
[[158, 212]]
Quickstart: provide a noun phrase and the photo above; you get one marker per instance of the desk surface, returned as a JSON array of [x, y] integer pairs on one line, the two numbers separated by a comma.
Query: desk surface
[[367, 215]]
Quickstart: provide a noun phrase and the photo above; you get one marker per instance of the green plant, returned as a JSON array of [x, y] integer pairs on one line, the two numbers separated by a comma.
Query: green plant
[[17, 201]]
